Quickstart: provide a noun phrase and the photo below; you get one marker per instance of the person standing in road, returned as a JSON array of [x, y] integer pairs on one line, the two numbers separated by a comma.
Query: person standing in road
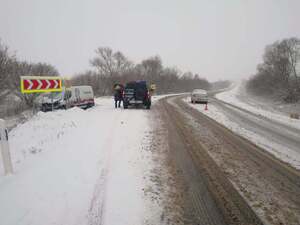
[[118, 95], [121, 94]]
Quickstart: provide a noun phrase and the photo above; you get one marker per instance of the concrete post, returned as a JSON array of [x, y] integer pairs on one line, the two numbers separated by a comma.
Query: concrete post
[[4, 147]]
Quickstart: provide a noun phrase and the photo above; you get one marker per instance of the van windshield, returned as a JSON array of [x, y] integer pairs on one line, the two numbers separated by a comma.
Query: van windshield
[[198, 91]]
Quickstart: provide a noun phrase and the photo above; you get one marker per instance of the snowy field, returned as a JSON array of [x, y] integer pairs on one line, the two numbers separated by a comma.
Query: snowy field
[[80, 167]]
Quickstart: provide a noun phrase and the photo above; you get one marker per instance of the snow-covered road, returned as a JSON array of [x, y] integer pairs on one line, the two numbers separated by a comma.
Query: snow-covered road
[[80, 167], [271, 130], [271, 110]]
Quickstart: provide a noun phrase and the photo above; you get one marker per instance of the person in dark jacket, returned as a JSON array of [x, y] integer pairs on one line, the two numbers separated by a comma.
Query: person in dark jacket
[[118, 95]]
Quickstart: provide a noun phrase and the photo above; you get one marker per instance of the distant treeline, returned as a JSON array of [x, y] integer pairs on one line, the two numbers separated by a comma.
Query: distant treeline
[[11, 99], [278, 75], [113, 67], [109, 67]]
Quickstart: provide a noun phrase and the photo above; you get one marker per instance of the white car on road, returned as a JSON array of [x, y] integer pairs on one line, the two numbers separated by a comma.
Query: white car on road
[[199, 96]]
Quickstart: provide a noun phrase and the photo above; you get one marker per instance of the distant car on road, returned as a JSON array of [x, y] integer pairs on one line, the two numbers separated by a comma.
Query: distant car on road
[[80, 96], [136, 93], [199, 96]]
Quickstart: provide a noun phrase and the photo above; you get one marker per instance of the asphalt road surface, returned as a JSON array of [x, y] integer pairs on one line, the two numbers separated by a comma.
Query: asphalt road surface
[[228, 179], [276, 132]]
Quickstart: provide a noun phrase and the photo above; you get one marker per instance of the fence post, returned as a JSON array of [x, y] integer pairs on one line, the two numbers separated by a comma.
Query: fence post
[[4, 147]]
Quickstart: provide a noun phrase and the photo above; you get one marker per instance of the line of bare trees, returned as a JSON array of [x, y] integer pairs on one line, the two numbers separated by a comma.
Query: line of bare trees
[[12, 101], [279, 74], [111, 67]]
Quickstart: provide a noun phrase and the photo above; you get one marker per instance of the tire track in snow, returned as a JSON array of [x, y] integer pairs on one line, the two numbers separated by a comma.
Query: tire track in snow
[[97, 207]]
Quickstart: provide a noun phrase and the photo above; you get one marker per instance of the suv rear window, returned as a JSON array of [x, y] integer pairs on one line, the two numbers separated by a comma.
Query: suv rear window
[[137, 85]]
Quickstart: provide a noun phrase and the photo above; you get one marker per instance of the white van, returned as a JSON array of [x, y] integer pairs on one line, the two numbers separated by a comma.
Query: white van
[[80, 96]]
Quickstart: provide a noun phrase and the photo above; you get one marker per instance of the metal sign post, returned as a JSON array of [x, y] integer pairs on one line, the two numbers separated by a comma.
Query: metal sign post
[[4, 147], [52, 107]]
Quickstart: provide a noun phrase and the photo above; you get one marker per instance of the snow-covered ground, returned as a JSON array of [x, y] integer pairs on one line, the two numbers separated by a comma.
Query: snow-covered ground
[[80, 167], [238, 97]]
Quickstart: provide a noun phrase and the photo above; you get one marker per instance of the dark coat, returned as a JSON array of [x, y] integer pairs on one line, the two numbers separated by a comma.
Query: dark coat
[[118, 95]]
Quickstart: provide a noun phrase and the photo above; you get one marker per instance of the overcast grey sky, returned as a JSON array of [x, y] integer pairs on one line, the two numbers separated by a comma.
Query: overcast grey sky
[[218, 39]]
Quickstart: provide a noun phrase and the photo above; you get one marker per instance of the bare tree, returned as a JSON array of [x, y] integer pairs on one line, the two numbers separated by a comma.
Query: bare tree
[[152, 68], [114, 67], [6, 65], [121, 63], [43, 69], [110, 65], [11, 69], [278, 74], [103, 62], [292, 48]]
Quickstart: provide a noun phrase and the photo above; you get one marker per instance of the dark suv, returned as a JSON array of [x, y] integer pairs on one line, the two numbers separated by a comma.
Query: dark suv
[[136, 93]]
